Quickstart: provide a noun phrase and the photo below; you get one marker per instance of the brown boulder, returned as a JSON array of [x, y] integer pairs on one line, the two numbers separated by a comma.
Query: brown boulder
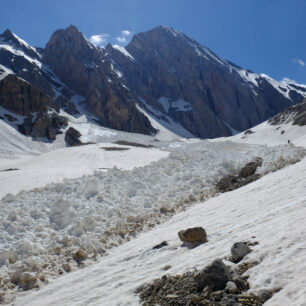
[[24, 280], [248, 170], [195, 235], [80, 255]]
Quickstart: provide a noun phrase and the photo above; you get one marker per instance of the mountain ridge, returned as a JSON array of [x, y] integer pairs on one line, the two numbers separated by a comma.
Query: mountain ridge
[[161, 73]]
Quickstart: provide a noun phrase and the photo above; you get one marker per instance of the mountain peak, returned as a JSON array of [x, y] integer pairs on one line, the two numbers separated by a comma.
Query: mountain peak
[[9, 35], [7, 32], [72, 29], [167, 29]]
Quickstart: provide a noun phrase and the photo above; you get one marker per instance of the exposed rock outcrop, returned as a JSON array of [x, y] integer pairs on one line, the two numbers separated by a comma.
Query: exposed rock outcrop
[[87, 71], [40, 113], [295, 114]]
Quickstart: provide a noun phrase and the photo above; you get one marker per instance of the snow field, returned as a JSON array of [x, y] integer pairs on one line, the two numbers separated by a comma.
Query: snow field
[[72, 162], [270, 211], [100, 211]]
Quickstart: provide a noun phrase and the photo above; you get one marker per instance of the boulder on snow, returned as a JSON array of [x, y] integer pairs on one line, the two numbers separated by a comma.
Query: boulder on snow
[[215, 276], [226, 182], [66, 267], [24, 280], [248, 170], [80, 256], [195, 235], [160, 245], [72, 137], [251, 167], [239, 250]]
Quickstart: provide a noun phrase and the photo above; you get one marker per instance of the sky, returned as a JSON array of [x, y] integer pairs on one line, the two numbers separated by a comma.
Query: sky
[[265, 36]]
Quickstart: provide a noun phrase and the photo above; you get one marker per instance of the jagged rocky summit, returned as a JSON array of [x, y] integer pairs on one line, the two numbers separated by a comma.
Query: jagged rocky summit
[[161, 74]]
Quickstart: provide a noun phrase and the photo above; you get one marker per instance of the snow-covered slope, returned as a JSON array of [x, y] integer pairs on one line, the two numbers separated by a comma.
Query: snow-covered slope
[[270, 211], [57, 165], [288, 127], [93, 212]]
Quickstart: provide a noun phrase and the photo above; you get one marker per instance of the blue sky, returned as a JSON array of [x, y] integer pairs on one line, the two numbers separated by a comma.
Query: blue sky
[[266, 36]]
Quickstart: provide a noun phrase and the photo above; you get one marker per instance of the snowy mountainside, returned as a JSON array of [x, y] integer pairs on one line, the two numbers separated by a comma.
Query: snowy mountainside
[[175, 83], [286, 127]]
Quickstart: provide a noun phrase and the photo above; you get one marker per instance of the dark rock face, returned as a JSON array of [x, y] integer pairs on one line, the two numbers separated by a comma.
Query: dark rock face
[[85, 70], [72, 137], [40, 112], [172, 65], [215, 276]]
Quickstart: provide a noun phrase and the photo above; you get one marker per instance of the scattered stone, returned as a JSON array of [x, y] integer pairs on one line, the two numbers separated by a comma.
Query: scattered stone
[[195, 299], [253, 243], [240, 282], [24, 280], [66, 267], [161, 245], [265, 295], [2, 299], [114, 149], [80, 256], [207, 292], [57, 250], [215, 275], [172, 296], [132, 144], [231, 287], [249, 300], [9, 169], [248, 170], [196, 235], [239, 250], [167, 267], [248, 132], [165, 210]]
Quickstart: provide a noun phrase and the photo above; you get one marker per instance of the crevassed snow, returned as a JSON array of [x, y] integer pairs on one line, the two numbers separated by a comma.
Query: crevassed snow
[[270, 211], [123, 51]]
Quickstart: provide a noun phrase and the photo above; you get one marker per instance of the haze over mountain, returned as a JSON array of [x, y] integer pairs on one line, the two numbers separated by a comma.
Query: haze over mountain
[[160, 76]]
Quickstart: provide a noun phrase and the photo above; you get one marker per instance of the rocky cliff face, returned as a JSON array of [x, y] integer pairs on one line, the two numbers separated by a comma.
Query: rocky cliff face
[[221, 99], [37, 114], [161, 74], [86, 70]]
